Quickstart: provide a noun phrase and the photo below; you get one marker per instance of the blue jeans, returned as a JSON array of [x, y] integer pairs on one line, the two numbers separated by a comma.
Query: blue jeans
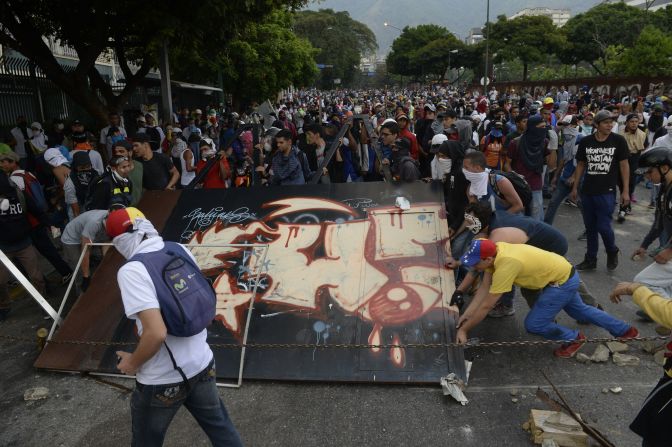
[[537, 205], [597, 211], [566, 297], [154, 406], [560, 193]]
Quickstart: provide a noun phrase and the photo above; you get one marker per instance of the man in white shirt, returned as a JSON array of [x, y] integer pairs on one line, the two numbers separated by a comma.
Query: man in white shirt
[[106, 140], [21, 134], [161, 388]]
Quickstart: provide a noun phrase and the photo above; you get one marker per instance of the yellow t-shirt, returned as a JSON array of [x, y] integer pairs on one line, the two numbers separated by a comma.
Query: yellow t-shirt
[[526, 266]]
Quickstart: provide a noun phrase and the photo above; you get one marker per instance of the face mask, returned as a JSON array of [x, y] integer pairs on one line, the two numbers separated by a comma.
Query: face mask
[[84, 177], [267, 146], [444, 166], [669, 130], [472, 223]]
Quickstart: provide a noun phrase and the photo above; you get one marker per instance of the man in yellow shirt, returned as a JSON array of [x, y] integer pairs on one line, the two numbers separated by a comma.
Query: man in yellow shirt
[[505, 265], [652, 422]]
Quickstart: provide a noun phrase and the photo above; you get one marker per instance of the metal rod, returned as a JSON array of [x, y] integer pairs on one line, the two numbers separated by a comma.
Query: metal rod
[[37, 296], [67, 291]]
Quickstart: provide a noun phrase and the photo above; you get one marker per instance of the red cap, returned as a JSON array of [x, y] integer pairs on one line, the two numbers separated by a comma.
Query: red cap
[[120, 221]]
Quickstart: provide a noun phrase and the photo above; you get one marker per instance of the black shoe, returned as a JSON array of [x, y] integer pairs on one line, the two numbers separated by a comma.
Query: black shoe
[[612, 260], [587, 264]]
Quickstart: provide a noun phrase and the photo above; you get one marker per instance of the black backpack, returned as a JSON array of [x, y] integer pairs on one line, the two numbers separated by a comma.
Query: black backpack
[[519, 184]]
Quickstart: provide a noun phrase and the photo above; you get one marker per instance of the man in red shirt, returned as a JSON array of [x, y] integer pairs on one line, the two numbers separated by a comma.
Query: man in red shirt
[[219, 176], [403, 122]]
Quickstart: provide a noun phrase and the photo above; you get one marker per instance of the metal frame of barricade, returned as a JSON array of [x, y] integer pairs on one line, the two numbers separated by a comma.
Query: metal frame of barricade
[[32, 291], [261, 260]]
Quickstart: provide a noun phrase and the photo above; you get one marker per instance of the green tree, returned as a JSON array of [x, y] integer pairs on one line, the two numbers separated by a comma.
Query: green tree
[[531, 39], [651, 55], [263, 59], [134, 30], [342, 41], [591, 33], [424, 50]]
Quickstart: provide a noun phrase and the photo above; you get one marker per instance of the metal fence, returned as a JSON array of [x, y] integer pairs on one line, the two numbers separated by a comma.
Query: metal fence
[[25, 90]]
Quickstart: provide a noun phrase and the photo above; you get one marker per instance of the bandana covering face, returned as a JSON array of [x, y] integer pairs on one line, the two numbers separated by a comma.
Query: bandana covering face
[[479, 182], [473, 223], [127, 243]]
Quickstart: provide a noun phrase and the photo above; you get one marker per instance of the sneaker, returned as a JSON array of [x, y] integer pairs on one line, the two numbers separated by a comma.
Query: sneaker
[[587, 264], [632, 332], [644, 316], [569, 350], [66, 279], [612, 260], [570, 202], [500, 310], [583, 236]]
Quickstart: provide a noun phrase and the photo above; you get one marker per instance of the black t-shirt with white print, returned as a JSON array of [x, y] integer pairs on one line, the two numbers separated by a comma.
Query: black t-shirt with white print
[[602, 159]]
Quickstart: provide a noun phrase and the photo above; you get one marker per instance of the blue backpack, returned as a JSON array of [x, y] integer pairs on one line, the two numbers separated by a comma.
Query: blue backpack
[[34, 190], [186, 297]]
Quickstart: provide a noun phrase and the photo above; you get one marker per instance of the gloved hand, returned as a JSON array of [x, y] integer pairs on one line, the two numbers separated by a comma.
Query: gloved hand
[[85, 283], [457, 299]]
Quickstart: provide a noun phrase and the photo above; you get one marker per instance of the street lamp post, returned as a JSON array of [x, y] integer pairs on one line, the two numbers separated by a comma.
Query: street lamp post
[[389, 25], [487, 45], [449, 53]]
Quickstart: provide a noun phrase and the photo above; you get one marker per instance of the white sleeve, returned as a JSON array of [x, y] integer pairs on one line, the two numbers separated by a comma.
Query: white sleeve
[[103, 135], [137, 289], [69, 191], [97, 162]]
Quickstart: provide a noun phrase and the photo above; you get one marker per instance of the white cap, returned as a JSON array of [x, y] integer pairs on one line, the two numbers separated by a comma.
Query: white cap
[[36, 125], [567, 119], [438, 139], [389, 120], [54, 157]]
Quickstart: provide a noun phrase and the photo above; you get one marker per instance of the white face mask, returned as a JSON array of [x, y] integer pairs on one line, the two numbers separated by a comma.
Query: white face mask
[[472, 223], [267, 146], [479, 182], [669, 130]]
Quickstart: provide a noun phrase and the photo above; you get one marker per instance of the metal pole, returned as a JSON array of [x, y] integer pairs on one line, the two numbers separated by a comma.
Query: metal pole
[[487, 46], [166, 94]]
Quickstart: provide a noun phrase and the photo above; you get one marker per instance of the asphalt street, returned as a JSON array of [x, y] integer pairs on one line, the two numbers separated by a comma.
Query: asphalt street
[[82, 412]]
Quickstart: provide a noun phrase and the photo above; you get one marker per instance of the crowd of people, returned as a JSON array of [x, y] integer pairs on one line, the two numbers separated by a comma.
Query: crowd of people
[[498, 155]]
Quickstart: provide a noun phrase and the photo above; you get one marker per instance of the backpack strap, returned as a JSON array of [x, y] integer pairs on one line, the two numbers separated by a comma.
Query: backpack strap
[[177, 368]]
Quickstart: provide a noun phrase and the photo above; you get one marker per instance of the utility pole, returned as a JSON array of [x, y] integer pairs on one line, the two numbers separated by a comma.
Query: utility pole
[[166, 94], [486, 78]]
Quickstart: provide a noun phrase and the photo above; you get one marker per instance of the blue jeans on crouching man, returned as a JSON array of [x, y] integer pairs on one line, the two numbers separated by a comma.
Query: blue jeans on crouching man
[[565, 296], [154, 406]]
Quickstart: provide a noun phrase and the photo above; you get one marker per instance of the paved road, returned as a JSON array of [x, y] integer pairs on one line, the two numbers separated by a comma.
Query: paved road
[[81, 412]]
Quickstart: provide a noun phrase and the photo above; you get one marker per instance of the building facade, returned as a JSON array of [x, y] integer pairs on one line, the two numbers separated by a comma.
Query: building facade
[[558, 16]]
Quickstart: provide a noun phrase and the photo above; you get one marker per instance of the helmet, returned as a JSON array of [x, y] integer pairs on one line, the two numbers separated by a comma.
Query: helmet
[[121, 221], [656, 156]]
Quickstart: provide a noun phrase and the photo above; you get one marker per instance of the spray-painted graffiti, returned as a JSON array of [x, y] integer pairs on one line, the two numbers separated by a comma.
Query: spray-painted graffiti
[[384, 268]]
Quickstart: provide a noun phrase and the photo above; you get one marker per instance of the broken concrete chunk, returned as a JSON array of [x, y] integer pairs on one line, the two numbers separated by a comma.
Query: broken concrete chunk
[[514, 400], [549, 443], [601, 354], [625, 360], [605, 390], [648, 346], [659, 358], [36, 393], [582, 358], [616, 390], [513, 392], [617, 346]]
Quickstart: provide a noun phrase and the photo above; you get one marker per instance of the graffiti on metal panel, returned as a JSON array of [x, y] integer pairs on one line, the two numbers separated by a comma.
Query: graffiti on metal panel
[[383, 268]]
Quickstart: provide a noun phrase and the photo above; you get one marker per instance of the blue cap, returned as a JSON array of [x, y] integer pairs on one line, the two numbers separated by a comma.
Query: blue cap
[[479, 250]]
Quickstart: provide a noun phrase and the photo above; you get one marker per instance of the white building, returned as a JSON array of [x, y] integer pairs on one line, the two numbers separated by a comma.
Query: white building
[[475, 35], [558, 16]]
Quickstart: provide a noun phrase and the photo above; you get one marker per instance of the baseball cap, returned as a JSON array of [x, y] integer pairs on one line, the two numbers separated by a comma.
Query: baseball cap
[[437, 140], [480, 249], [121, 221], [569, 119], [12, 156], [602, 115], [430, 107]]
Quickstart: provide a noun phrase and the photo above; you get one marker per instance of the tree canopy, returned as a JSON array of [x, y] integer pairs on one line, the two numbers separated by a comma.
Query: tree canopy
[[134, 30], [528, 38], [424, 50], [342, 42]]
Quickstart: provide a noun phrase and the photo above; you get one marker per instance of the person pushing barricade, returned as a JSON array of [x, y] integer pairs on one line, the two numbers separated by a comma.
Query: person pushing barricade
[[172, 303]]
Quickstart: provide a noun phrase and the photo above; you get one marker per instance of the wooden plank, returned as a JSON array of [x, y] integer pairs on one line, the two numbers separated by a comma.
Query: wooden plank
[[570, 435], [98, 313]]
